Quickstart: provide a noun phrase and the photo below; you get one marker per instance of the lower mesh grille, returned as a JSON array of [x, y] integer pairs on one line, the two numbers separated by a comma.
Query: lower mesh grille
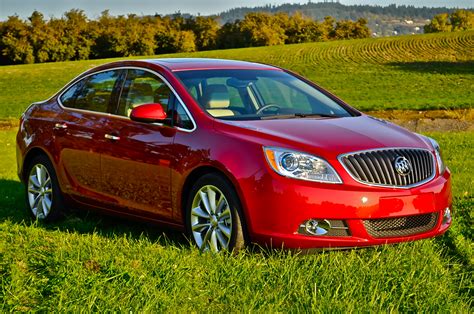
[[401, 226]]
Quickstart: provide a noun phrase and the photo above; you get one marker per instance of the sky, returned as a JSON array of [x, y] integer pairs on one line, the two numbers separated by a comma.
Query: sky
[[56, 8]]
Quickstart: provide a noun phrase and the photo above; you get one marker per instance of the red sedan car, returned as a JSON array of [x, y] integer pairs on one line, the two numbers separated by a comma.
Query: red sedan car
[[231, 152]]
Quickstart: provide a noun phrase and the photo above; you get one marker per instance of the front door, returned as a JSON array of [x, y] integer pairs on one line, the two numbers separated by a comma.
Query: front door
[[136, 156]]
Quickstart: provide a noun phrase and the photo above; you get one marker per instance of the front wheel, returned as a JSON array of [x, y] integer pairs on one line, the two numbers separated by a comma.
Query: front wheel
[[213, 215]]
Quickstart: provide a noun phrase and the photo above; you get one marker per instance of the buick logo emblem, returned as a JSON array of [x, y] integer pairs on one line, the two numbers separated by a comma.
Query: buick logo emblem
[[402, 165]]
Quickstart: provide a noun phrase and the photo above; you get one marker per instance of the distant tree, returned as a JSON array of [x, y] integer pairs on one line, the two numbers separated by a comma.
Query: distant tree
[[205, 31], [327, 28], [361, 30], [185, 42], [458, 20], [462, 20], [109, 37], [300, 29], [14, 42], [165, 35], [440, 23], [229, 36], [78, 34], [40, 37], [139, 38], [262, 29]]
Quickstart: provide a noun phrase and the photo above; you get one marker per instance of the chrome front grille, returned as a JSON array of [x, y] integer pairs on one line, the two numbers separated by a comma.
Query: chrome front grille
[[400, 226], [377, 167]]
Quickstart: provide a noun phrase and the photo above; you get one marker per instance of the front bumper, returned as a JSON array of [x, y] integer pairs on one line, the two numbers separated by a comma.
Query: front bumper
[[277, 206]]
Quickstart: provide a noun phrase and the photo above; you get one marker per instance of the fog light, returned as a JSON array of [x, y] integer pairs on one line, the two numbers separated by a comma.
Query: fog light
[[324, 227], [317, 227], [446, 216]]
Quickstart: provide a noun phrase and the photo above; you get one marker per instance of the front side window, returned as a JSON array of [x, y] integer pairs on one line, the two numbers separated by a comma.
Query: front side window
[[182, 119], [257, 94], [92, 93], [142, 87]]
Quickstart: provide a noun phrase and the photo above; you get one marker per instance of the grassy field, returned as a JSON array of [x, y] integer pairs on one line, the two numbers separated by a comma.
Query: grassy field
[[91, 262], [88, 262], [434, 71]]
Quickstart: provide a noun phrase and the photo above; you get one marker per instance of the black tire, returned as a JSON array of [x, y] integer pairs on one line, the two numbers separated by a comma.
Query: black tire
[[56, 200], [237, 238]]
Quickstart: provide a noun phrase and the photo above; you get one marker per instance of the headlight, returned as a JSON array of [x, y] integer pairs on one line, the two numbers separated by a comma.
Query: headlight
[[439, 158], [301, 166]]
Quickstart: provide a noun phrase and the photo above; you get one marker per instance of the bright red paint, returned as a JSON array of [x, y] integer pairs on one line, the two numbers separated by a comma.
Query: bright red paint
[[145, 173], [148, 113]]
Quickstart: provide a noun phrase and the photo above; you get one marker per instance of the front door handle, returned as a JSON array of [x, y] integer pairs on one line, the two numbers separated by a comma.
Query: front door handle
[[112, 137], [60, 126]]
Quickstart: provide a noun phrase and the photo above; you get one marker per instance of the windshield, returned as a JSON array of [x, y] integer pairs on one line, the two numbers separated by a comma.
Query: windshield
[[257, 94]]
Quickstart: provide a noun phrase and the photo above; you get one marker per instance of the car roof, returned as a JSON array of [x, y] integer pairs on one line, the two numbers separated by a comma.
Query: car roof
[[188, 64]]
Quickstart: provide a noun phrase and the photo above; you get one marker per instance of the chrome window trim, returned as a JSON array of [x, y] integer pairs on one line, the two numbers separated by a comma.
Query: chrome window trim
[[76, 80], [405, 187]]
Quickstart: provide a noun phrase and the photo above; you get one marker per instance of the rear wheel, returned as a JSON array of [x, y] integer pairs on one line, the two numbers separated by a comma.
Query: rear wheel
[[43, 196], [213, 215]]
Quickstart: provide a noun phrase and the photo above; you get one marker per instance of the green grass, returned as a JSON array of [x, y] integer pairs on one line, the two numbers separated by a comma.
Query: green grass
[[95, 263], [434, 71]]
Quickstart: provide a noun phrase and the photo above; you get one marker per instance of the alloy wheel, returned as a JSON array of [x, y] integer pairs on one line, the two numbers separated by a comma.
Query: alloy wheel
[[211, 219], [40, 191]]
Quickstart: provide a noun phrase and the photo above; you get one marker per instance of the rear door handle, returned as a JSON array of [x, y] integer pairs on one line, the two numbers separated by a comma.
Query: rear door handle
[[60, 126], [112, 137]]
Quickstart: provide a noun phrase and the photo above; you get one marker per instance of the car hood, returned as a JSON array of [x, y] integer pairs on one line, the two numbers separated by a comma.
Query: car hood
[[332, 136]]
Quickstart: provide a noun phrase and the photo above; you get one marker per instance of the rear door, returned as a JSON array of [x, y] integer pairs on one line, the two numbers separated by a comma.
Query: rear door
[[80, 135], [136, 156]]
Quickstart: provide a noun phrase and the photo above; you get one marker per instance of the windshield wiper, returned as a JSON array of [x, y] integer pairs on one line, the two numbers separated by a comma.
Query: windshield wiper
[[323, 115], [298, 115]]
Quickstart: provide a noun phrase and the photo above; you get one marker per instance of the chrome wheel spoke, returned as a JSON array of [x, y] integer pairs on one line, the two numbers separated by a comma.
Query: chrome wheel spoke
[[205, 202], [33, 189], [221, 239], [225, 214], [198, 212], [213, 241], [34, 181], [206, 239], [36, 201], [225, 230], [47, 182], [211, 196], [46, 204], [39, 207], [40, 175], [200, 227], [221, 204]]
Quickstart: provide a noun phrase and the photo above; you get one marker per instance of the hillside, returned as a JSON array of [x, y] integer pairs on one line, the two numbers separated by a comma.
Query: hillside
[[383, 20], [434, 71]]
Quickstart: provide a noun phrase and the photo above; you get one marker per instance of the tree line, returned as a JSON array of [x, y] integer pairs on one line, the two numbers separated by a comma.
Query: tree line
[[318, 10], [75, 37], [459, 20]]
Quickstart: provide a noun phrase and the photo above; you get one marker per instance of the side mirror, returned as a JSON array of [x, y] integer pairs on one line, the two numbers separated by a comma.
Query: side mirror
[[148, 113]]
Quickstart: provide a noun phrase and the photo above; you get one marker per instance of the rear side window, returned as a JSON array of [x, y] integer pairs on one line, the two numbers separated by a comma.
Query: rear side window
[[68, 99], [93, 93]]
